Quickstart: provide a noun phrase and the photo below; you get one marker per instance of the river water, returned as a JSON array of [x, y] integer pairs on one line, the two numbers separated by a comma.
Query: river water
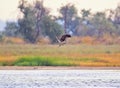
[[59, 78]]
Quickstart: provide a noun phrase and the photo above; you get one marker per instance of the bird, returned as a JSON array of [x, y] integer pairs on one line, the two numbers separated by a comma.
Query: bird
[[63, 38]]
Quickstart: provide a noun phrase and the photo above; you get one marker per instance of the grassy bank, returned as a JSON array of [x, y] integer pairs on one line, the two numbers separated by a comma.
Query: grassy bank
[[53, 55]]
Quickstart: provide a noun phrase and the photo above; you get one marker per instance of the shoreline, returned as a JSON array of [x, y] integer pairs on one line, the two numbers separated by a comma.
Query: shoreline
[[56, 68]]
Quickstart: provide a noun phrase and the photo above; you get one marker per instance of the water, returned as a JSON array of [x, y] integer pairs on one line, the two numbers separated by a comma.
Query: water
[[59, 78]]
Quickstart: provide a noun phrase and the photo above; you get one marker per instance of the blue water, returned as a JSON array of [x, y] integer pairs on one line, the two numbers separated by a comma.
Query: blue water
[[59, 78]]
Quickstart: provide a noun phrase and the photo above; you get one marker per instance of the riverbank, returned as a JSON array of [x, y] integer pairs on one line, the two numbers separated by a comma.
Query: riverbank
[[56, 68]]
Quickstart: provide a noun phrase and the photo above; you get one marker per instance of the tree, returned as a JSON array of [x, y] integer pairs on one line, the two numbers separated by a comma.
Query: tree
[[41, 12], [11, 29], [51, 28], [84, 28], [117, 15], [1, 36], [29, 25], [114, 17], [117, 19], [102, 25], [70, 18], [36, 22], [85, 14]]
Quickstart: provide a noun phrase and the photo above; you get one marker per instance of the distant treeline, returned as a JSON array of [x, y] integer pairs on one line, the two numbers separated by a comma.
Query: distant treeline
[[35, 23]]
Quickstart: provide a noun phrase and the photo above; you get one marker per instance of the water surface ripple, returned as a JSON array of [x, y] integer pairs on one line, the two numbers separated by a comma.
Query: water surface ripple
[[59, 78]]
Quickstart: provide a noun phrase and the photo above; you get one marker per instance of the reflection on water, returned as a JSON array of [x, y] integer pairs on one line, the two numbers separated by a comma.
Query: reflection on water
[[60, 79]]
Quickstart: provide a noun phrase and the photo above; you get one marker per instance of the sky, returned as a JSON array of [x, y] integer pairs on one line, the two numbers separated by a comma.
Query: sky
[[9, 11]]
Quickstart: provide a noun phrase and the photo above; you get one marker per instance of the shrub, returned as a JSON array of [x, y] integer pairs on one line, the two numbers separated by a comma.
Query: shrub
[[3, 63], [14, 40], [87, 40]]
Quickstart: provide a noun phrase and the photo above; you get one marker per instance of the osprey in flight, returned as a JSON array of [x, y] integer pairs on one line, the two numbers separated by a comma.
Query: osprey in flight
[[63, 38]]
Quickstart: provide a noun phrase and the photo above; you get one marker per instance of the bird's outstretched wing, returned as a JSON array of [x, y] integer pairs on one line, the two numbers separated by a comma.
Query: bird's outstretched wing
[[63, 37]]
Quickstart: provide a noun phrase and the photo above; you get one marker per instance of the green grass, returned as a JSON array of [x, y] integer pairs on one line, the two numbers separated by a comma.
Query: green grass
[[48, 61], [41, 61]]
